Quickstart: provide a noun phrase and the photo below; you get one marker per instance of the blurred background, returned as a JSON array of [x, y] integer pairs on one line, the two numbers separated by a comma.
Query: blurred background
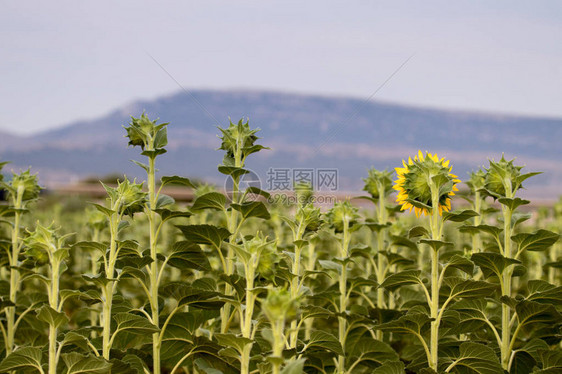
[[332, 84]]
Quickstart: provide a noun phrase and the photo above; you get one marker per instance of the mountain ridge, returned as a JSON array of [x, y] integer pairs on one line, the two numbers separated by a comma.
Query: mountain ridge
[[303, 131]]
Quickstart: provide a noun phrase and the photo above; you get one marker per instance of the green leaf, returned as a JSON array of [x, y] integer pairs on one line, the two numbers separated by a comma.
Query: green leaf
[[294, 367], [390, 367], [144, 166], [193, 295], [492, 263], [233, 171], [436, 244], [108, 212], [257, 191], [402, 278], [205, 234], [188, 255], [233, 341], [412, 323], [167, 214], [324, 340], [461, 263], [211, 200], [164, 201], [182, 181], [526, 357], [512, 204], [252, 209], [459, 216], [77, 363], [539, 240], [477, 357], [418, 231], [26, 357], [544, 292], [363, 348], [460, 288], [51, 316], [377, 227], [396, 259], [550, 359], [133, 323], [402, 241], [91, 246], [530, 312], [487, 229]]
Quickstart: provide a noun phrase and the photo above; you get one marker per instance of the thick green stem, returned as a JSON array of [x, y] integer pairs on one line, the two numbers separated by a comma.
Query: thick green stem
[[14, 274], [434, 307], [476, 243], [106, 317], [52, 350], [154, 265], [54, 303], [507, 274], [232, 221], [278, 344], [343, 295], [296, 284], [248, 313], [94, 313], [107, 291]]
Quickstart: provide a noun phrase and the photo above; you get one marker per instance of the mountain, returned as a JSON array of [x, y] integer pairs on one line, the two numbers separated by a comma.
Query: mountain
[[303, 131]]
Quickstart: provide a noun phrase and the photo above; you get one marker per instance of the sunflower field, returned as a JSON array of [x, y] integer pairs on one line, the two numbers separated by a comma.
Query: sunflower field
[[241, 283]]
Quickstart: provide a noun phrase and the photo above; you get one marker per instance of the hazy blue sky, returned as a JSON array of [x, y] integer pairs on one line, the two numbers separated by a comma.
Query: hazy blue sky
[[67, 60]]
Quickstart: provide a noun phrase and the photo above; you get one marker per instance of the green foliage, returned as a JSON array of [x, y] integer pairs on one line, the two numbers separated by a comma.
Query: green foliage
[[239, 285]]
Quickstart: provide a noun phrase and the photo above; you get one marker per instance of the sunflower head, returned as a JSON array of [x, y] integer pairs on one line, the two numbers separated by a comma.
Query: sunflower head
[[503, 178], [378, 183], [279, 305], [147, 134], [342, 213], [25, 185], [477, 180], [419, 177], [45, 242]]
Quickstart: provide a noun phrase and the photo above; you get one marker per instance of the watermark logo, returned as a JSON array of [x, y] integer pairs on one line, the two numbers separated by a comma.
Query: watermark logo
[[285, 179], [281, 183], [246, 181]]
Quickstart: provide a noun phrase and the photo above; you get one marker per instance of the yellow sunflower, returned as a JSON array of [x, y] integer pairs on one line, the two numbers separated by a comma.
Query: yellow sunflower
[[416, 179]]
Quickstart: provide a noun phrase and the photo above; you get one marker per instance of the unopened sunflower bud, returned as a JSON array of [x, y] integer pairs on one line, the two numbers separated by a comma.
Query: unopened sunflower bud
[[378, 183], [309, 217], [341, 214], [25, 185], [147, 134], [502, 178], [279, 305]]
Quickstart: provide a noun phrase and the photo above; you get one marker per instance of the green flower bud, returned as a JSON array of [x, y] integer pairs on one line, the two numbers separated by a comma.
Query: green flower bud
[[477, 180], [309, 217], [378, 182], [25, 185], [238, 141], [304, 193], [147, 134], [341, 213], [44, 243], [127, 198], [279, 305], [503, 178]]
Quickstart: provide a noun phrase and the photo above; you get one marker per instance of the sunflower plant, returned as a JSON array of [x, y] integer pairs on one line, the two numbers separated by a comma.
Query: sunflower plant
[[242, 285]]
